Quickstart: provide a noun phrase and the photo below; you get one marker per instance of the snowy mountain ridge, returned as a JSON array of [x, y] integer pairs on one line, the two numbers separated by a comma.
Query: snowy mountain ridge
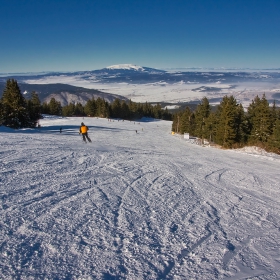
[[134, 71], [125, 67], [64, 93]]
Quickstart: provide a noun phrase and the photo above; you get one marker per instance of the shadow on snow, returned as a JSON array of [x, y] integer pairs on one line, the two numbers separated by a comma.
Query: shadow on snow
[[66, 129]]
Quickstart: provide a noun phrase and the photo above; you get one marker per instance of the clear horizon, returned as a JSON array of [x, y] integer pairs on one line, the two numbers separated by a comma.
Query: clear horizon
[[68, 36], [187, 69]]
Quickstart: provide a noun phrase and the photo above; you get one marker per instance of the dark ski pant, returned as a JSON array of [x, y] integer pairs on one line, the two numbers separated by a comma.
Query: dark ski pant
[[85, 136]]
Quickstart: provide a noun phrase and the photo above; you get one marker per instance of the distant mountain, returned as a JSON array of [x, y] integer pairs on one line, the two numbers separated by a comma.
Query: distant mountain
[[142, 84], [129, 73], [125, 67], [131, 67], [124, 73], [63, 93]]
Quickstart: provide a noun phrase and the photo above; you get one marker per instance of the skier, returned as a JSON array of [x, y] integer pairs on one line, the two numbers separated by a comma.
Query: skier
[[84, 130]]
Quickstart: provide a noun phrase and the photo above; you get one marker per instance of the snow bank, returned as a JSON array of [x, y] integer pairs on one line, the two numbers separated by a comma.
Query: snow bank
[[258, 152]]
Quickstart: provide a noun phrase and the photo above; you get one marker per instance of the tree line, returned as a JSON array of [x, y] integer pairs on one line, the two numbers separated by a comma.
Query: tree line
[[230, 125], [101, 108], [16, 111]]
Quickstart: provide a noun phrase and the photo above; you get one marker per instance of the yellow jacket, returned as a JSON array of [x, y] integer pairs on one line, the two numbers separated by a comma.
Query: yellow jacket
[[83, 129]]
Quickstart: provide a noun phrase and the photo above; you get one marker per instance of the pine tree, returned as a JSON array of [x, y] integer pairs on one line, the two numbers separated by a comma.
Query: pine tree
[[166, 115], [157, 111], [274, 140], [147, 110], [242, 126], [201, 114], [125, 114], [273, 113], [79, 109], [14, 111], [210, 127], [1, 110], [55, 107], [192, 124], [133, 109], [105, 109], [91, 108], [260, 120], [228, 125], [140, 110], [34, 108], [176, 122], [68, 110], [45, 108], [185, 121], [116, 108]]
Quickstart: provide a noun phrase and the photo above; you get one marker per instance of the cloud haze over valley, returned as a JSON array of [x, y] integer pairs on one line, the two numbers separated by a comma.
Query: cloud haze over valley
[[141, 84]]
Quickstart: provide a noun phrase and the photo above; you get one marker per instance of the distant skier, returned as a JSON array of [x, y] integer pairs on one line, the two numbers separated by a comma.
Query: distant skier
[[84, 131]]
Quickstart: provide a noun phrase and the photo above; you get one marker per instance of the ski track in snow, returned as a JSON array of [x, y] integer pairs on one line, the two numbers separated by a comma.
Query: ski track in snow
[[130, 205]]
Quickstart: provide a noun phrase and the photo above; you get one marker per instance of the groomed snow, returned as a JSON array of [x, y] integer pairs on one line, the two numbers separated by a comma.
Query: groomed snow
[[144, 205]]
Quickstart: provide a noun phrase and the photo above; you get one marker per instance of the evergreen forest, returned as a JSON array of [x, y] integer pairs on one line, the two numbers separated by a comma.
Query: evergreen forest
[[230, 126]]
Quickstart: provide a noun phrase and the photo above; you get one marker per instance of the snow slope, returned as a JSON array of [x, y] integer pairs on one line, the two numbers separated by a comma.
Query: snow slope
[[144, 205]]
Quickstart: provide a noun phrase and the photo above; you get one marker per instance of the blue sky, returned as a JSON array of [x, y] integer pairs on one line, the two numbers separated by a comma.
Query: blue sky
[[71, 35]]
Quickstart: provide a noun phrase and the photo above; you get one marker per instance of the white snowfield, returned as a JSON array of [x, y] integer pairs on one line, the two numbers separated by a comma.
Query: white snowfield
[[144, 205]]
